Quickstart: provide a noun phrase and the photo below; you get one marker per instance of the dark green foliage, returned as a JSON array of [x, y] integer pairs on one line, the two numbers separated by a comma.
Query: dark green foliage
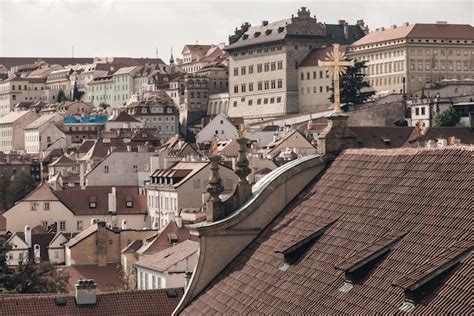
[[401, 122], [351, 85], [13, 190], [32, 277], [61, 96], [447, 118], [4, 270], [104, 105], [76, 94]]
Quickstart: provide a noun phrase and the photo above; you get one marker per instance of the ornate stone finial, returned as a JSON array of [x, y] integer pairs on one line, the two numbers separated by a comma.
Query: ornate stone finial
[[336, 64], [214, 188], [242, 166]]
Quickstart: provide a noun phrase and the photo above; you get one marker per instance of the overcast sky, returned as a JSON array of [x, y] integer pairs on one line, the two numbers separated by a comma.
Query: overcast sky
[[49, 28]]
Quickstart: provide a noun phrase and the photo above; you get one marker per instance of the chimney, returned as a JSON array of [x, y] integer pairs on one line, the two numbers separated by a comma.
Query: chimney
[[275, 137], [86, 292], [28, 235], [264, 23], [37, 253], [179, 221], [113, 201], [81, 176], [442, 142], [101, 244], [345, 25], [124, 224]]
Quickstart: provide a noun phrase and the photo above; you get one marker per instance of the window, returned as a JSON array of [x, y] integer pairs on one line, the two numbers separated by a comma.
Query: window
[[142, 280], [259, 68], [280, 65], [79, 225], [259, 85], [236, 71], [259, 101], [135, 168], [236, 89], [278, 99], [273, 84], [154, 282], [280, 83], [250, 102], [62, 226], [265, 101], [250, 69], [250, 86], [302, 76], [46, 206], [129, 203], [267, 67], [422, 111], [273, 66], [417, 111], [267, 85], [106, 169], [243, 88], [34, 206], [45, 225], [243, 70]]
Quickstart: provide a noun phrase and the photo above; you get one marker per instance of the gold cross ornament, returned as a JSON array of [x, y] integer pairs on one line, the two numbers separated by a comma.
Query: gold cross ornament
[[336, 65]]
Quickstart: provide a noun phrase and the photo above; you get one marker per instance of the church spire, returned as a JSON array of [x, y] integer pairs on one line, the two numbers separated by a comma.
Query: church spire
[[171, 58]]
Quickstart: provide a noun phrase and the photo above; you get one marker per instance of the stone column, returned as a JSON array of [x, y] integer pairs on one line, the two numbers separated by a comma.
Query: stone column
[[215, 188]]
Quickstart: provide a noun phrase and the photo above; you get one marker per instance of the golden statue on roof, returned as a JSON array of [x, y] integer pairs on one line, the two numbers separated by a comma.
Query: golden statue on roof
[[242, 130], [337, 64], [214, 147]]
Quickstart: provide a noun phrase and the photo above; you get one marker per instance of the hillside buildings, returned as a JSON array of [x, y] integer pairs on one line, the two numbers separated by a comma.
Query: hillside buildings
[[411, 57], [264, 60]]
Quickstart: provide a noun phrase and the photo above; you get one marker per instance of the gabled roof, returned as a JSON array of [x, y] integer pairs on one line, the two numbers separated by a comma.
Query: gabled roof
[[135, 302], [182, 170], [419, 30], [64, 160], [12, 117], [382, 137], [166, 259], [124, 117], [162, 241], [77, 200], [424, 192], [43, 119], [42, 193]]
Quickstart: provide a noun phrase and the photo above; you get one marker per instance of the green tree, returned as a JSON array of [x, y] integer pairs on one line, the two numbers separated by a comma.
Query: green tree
[[42, 277], [104, 105], [5, 185], [21, 186], [449, 117], [76, 93], [5, 271], [61, 96], [351, 85]]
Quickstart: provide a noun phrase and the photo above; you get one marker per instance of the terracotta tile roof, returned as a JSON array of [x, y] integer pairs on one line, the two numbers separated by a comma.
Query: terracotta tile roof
[[317, 54], [107, 278], [13, 61], [165, 259], [12, 117], [137, 302], [465, 134], [124, 117], [419, 30], [77, 200], [424, 192], [162, 242], [382, 137]]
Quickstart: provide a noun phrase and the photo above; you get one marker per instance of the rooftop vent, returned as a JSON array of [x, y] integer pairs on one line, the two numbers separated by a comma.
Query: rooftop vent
[[171, 293]]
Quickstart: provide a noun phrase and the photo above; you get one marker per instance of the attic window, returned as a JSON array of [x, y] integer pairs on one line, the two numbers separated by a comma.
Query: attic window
[[92, 202], [387, 141], [172, 238], [281, 29], [257, 34], [361, 263], [129, 201], [427, 278], [294, 251], [245, 36], [268, 32]]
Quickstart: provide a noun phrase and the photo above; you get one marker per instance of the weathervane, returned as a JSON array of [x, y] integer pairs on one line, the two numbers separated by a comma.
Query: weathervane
[[336, 65]]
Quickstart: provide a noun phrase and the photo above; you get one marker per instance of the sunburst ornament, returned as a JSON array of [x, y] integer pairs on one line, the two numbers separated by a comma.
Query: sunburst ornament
[[336, 64]]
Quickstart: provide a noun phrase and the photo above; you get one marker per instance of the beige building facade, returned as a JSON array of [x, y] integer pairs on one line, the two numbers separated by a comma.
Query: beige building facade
[[18, 89], [412, 57], [12, 130], [264, 60]]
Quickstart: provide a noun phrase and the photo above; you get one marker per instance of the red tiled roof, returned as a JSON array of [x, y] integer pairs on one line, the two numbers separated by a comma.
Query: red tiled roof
[[317, 54], [425, 192], [162, 242], [77, 200], [137, 302]]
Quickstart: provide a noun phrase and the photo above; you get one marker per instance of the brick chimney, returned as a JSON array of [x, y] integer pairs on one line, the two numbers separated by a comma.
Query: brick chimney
[[86, 292], [101, 244]]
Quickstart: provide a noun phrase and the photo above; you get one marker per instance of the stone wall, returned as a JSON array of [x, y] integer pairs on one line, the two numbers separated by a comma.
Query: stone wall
[[381, 115]]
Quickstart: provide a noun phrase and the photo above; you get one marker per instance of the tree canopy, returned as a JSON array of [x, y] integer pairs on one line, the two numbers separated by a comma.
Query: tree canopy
[[351, 85], [61, 96], [76, 93], [447, 118], [12, 190]]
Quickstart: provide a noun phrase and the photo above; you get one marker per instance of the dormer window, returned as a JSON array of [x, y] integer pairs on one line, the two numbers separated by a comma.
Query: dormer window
[[268, 32], [93, 202], [362, 262], [257, 34], [128, 201]]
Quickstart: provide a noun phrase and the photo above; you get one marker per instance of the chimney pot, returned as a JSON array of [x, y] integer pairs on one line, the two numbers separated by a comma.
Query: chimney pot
[[28, 235], [86, 292]]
